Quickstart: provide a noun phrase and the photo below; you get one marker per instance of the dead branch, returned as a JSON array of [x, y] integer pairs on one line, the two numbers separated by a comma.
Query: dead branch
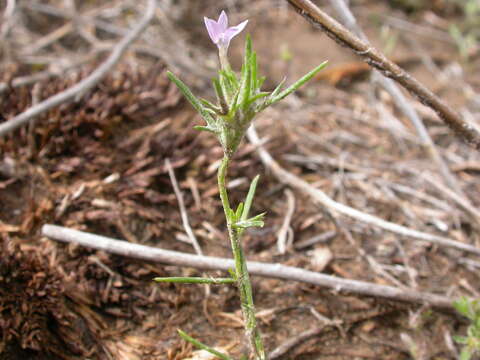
[[322, 199], [400, 100], [183, 209], [87, 83], [295, 341], [277, 271], [378, 61]]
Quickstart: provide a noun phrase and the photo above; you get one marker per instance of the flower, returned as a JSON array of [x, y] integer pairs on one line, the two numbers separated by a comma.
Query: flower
[[219, 31]]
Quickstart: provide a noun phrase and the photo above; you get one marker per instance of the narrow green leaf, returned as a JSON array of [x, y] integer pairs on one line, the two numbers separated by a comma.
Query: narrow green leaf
[[205, 128], [460, 339], [191, 98], [260, 82], [461, 305], [202, 346], [253, 60], [209, 105], [278, 88], [246, 83], [273, 94], [249, 199], [465, 354], [298, 83], [232, 274], [234, 103], [238, 213], [248, 48], [221, 97], [256, 97], [194, 280], [256, 221], [230, 215], [227, 85], [231, 81]]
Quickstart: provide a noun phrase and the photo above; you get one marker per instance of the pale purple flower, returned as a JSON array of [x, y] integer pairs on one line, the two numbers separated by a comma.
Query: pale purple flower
[[219, 31]]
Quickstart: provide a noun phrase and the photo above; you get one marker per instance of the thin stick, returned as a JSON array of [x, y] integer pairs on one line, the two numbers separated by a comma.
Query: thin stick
[[184, 215], [294, 341], [400, 100], [325, 201], [460, 201], [7, 19], [277, 271], [86, 83], [183, 209], [377, 60], [283, 233]]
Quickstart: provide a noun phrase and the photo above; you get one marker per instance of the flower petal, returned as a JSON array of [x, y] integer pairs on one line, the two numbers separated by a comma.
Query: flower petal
[[234, 31], [223, 21], [213, 29]]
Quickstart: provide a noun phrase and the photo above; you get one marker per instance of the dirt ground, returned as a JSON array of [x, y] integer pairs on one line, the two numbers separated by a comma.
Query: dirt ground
[[98, 165]]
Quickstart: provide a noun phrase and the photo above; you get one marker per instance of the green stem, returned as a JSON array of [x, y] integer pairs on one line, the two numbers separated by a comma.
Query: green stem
[[222, 54], [194, 280], [242, 277]]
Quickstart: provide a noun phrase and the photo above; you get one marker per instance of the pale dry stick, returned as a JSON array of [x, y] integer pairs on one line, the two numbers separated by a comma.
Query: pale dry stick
[[320, 238], [277, 271], [195, 193], [49, 39], [388, 68], [420, 30], [36, 93], [183, 209], [345, 113], [420, 195], [460, 201], [376, 267], [296, 340], [400, 100], [300, 338], [285, 230], [319, 197], [87, 83], [7, 19], [412, 273], [392, 123], [8, 16], [470, 263], [184, 215]]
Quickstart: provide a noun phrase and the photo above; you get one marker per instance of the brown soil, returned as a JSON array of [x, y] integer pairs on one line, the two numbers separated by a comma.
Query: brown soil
[[98, 165]]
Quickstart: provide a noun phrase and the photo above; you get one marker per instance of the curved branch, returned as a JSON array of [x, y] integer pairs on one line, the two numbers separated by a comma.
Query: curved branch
[[388, 68]]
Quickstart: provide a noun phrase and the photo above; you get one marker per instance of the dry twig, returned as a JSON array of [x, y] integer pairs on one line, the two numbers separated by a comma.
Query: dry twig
[[183, 209], [87, 83], [277, 271], [400, 100], [295, 341], [321, 198], [388, 68], [285, 234]]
